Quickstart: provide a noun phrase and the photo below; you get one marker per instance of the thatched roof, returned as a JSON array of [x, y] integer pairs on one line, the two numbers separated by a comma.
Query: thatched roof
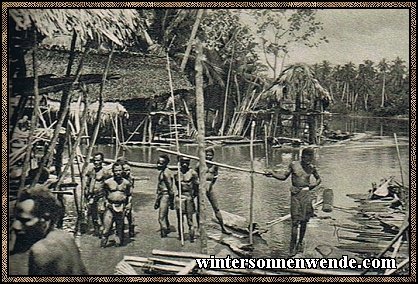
[[140, 76], [110, 110], [296, 80], [94, 25]]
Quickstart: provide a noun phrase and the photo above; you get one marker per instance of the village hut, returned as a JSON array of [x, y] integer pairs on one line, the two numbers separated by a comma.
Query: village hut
[[139, 96], [297, 102]]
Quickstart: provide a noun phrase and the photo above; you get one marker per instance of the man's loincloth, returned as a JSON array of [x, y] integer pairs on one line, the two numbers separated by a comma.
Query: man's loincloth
[[301, 208]]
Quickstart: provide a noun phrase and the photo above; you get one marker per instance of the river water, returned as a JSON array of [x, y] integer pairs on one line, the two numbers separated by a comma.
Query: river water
[[345, 167]]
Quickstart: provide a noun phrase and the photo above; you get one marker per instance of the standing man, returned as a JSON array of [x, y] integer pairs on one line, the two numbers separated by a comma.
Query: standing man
[[117, 191], [51, 251], [301, 209], [126, 174], [165, 194], [96, 175], [211, 177], [189, 181]]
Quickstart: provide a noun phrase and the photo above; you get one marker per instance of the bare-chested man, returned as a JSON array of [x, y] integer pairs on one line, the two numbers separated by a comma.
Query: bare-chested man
[[189, 189], [96, 175], [211, 177], [165, 194], [301, 209], [51, 251], [126, 174], [118, 195]]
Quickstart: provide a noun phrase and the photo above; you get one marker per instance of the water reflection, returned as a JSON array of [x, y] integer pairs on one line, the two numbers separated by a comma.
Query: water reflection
[[344, 168]]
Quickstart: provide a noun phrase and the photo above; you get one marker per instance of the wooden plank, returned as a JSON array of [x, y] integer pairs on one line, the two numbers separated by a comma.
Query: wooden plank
[[179, 254], [188, 268]]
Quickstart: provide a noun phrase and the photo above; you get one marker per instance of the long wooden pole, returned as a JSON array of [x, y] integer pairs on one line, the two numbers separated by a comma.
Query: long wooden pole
[[266, 145], [210, 162], [200, 114], [97, 124], [252, 181], [399, 158], [34, 119], [177, 147]]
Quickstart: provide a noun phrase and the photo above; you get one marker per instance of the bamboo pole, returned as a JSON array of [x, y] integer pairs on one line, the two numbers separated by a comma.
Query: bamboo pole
[[399, 158], [200, 114], [266, 144], [177, 148], [386, 248], [73, 148], [179, 254], [252, 181], [133, 133], [97, 123], [400, 265], [34, 119], [47, 159], [210, 162], [286, 217]]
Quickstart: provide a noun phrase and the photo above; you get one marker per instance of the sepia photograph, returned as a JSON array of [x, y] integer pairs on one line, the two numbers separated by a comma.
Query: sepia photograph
[[150, 141]]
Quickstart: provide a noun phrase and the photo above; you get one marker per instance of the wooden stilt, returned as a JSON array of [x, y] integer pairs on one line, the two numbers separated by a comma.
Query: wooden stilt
[[252, 181]]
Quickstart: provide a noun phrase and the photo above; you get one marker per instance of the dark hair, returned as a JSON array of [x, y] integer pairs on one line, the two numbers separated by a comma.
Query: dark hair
[[308, 152], [99, 154], [116, 165], [210, 149], [122, 160], [47, 205], [166, 158]]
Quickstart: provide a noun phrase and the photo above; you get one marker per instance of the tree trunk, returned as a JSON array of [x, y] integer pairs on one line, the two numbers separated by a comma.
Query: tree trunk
[[382, 104], [221, 131], [200, 113], [191, 39]]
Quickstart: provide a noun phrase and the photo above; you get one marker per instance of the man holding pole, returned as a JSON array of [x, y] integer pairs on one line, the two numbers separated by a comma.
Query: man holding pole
[[189, 180], [301, 209], [211, 177]]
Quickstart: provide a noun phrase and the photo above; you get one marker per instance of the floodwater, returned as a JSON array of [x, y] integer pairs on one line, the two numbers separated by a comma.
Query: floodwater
[[345, 167]]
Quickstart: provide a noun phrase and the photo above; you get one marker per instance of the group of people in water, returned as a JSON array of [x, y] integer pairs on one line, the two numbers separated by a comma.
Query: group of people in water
[[108, 195]]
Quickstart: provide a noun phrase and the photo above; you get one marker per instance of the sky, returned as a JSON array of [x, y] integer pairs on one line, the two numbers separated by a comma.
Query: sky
[[358, 34]]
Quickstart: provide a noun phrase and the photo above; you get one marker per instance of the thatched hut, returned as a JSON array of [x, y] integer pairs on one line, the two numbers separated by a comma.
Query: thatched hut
[[297, 101], [142, 87]]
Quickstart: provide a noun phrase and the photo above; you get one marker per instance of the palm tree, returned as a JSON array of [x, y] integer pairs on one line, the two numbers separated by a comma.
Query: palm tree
[[383, 68]]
